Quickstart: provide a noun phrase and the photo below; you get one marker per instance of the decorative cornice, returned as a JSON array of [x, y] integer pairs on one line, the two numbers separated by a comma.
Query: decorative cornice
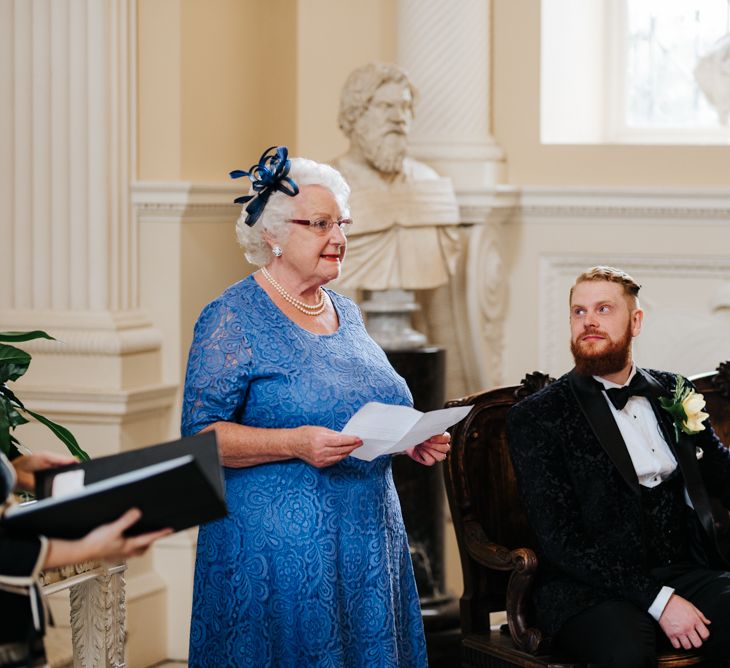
[[494, 205], [104, 406], [86, 332], [622, 205], [186, 201]]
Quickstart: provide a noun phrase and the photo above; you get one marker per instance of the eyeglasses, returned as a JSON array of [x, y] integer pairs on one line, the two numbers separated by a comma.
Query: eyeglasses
[[323, 225]]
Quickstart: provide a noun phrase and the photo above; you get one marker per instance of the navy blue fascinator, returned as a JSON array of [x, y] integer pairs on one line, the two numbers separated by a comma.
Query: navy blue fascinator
[[267, 177]]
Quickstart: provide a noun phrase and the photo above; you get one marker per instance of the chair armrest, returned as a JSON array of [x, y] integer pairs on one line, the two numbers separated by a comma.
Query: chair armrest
[[522, 562], [519, 589], [484, 551]]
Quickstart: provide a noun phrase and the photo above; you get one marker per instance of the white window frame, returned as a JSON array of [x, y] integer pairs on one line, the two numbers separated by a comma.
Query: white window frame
[[616, 129]]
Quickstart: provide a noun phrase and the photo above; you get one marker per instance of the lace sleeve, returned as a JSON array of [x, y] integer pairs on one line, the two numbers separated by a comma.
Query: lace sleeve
[[218, 369]]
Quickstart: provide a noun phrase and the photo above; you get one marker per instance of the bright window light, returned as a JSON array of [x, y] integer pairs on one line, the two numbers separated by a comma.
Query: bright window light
[[633, 80]]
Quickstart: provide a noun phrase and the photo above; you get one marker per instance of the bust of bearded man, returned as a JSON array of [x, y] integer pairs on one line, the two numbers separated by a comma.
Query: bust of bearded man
[[405, 235]]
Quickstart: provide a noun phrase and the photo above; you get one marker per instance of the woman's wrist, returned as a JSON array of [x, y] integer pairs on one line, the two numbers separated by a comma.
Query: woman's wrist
[[290, 440]]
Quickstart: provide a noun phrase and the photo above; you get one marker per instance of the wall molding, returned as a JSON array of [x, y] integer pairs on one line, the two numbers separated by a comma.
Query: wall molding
[[105, 406], [193, 201], [623, 205], [106, 333], [185, 201]]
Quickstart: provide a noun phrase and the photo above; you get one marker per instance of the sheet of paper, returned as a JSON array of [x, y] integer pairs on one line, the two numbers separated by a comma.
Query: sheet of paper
[[68, 482], [387, 429], [433, 422]]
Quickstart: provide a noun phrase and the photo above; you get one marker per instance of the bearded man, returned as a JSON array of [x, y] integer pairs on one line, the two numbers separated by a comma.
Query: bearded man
[[405, 236], [617, 490]]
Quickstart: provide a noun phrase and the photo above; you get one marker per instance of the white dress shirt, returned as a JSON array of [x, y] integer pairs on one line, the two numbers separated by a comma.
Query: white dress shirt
[[650, 454]]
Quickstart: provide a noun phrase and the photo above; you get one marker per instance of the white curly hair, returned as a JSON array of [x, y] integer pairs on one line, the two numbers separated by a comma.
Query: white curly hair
[[280, 207]]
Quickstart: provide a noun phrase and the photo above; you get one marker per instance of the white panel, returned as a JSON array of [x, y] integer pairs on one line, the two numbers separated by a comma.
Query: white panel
[[41, 159], [60, 155], [130, 258], [443, 46], [7, 141], [23, 213], [97, 36], [78, 159], [116, 171], [572, 71]]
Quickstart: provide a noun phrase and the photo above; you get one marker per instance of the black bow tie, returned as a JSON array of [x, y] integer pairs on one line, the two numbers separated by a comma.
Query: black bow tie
[[638, 386]]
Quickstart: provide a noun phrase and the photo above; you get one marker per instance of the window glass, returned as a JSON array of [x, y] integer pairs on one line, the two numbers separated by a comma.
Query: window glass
[[664, 39]]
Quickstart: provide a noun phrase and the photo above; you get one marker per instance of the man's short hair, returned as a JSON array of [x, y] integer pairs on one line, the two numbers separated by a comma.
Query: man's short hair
[[360, 87], [613, 275]]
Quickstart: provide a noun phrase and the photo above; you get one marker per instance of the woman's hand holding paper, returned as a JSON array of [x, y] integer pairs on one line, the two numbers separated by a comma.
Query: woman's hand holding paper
[[431, 451]]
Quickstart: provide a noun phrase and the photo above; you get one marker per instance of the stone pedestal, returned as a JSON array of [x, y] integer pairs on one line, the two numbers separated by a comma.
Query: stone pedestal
[[388, 316], [421, 492], [98, 611]]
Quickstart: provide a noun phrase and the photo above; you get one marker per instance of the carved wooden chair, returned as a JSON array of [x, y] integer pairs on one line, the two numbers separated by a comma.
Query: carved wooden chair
[[495, 541]]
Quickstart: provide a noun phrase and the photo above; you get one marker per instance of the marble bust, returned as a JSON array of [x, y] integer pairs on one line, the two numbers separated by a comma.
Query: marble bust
[[713, 77], [405, 235]]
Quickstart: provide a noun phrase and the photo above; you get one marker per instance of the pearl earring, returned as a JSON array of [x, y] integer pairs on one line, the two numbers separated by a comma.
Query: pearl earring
[[276, 250]]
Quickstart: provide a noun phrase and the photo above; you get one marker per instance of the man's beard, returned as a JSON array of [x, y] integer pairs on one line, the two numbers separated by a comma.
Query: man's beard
[[386, 152], [610, 359]]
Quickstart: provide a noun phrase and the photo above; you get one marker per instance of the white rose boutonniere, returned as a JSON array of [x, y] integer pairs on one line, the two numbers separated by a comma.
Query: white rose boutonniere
[[685, 407]]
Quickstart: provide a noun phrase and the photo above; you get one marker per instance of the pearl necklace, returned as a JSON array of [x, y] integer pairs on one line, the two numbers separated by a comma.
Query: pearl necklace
[[307, 309]]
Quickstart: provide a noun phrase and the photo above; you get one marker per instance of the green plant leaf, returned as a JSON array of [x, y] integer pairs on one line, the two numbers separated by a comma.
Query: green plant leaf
[[15, 447], [17, 337], [13, 362], [5, 390], [14, 418], [63, 434], [4, 429]]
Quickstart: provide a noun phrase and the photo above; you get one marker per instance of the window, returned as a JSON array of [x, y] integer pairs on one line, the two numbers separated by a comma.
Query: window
[[630, 65]]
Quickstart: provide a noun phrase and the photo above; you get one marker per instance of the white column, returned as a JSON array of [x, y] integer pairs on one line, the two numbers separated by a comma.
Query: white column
[[68, 242], [69, 254], [67, 76], [444, 47], [7, 129]]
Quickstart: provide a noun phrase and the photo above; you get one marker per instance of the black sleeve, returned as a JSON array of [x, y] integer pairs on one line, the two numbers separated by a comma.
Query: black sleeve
[[19, 558], [715, 461], [715, 464]]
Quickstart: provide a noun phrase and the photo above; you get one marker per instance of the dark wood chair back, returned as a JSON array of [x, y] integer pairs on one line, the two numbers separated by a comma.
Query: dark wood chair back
[[715, 386], [486, 508], [496, 544]]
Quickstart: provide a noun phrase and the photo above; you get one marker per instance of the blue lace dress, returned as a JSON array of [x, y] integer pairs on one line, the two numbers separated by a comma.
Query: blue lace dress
[[311, 567]]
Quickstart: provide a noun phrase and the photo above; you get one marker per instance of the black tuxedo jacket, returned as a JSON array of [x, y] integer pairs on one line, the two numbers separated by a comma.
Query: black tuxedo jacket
[[582, 495]]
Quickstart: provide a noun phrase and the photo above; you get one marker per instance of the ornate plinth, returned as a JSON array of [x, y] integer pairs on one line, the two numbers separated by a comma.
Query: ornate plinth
[[98, 611], [388, 314]]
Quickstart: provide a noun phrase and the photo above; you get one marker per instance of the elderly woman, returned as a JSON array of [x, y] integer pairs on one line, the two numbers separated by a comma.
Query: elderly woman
[[312, 567]]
